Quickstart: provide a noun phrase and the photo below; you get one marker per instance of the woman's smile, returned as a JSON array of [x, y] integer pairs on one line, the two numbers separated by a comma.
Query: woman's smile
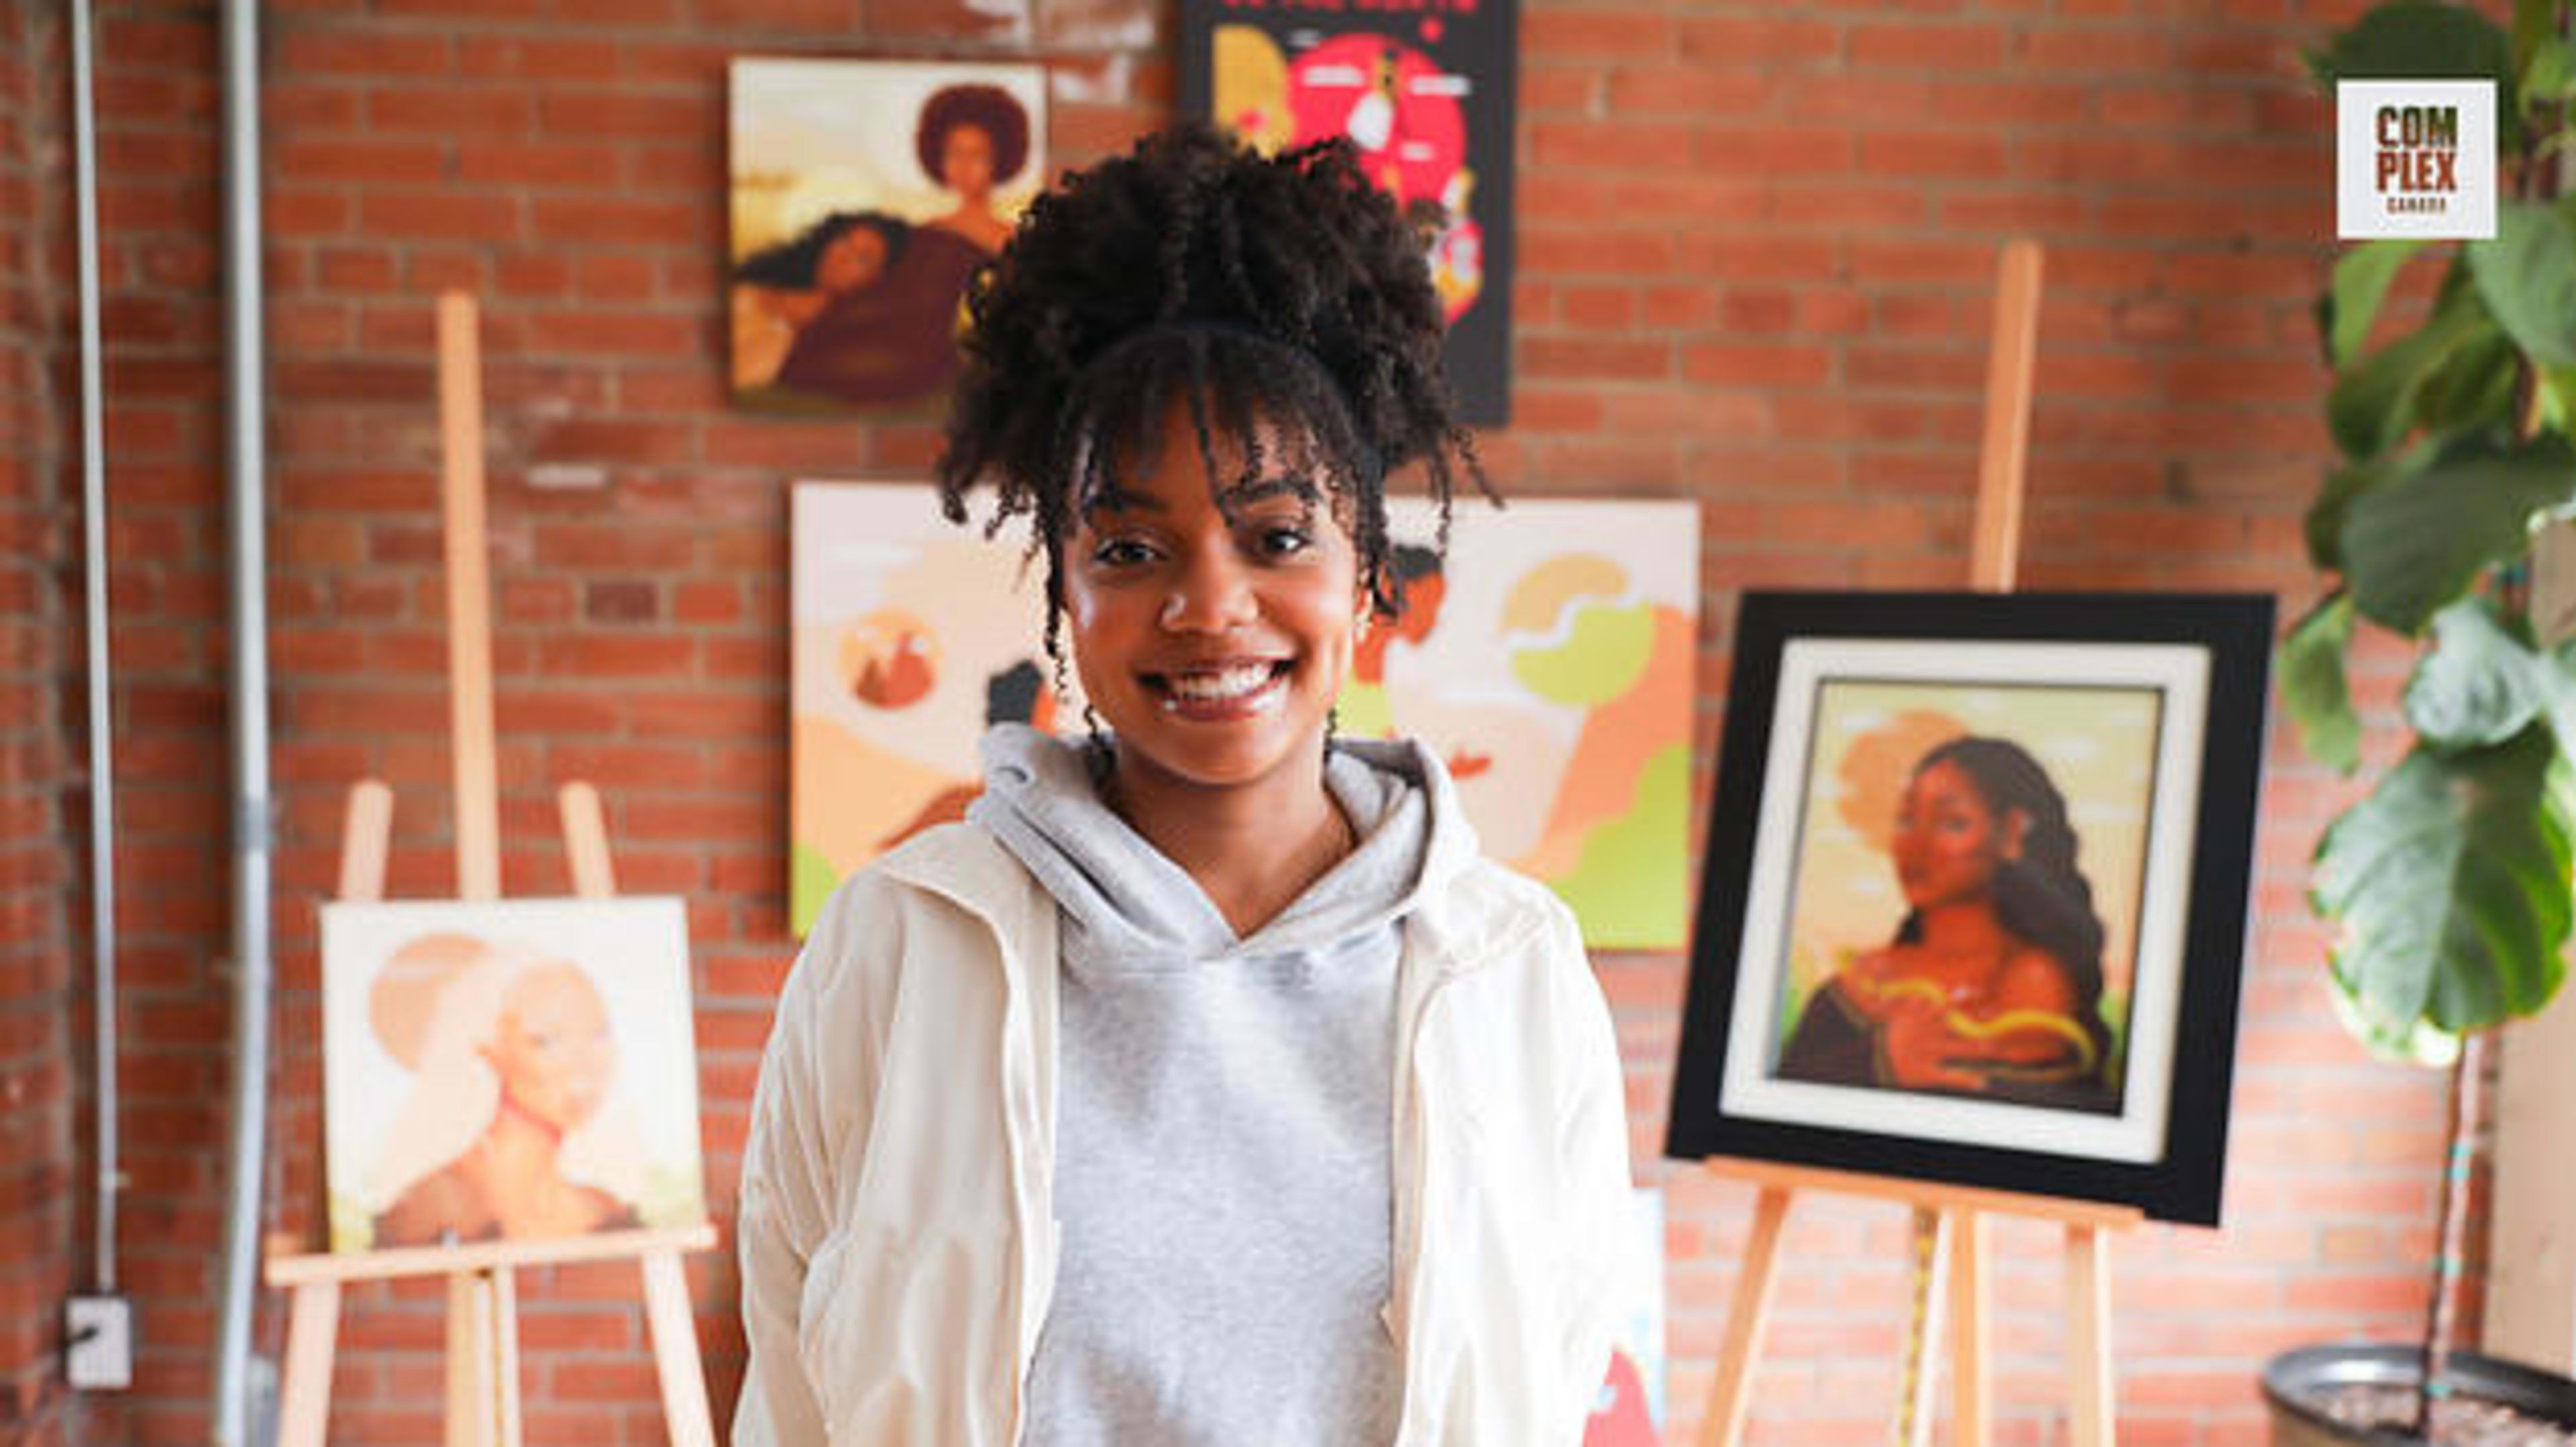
[[1215, 693]]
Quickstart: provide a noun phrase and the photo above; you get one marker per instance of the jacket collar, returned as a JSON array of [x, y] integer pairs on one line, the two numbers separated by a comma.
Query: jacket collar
[[1467, 914]]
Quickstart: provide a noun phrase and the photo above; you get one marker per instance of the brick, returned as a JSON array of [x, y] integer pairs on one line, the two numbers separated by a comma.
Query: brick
[[1549, 36], [1947, 47]]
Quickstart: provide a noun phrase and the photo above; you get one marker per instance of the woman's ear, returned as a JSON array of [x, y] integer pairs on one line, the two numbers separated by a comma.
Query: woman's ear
[[2016, 827]]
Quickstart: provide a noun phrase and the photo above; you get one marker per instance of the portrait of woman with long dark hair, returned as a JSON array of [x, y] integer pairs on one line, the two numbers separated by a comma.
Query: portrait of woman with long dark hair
[[1991, 985]]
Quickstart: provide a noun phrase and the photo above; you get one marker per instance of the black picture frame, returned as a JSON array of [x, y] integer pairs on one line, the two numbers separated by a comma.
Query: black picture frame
[[2161, 702]]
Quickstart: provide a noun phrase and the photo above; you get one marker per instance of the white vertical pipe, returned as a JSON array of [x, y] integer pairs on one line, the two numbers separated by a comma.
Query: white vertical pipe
[[245, 395], [102, 763]]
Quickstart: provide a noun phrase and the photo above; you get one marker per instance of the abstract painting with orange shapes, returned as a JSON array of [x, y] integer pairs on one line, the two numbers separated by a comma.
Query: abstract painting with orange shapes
[[1549, 659], [507, 1070], [1423, 91], [910, 634]]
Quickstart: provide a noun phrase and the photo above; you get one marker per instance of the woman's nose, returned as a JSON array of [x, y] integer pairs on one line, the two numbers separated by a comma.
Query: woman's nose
[[1211, 594]]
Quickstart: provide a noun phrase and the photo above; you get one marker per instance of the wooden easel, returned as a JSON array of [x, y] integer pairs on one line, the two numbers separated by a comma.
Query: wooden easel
[[1950, 1221], [482, 1302]]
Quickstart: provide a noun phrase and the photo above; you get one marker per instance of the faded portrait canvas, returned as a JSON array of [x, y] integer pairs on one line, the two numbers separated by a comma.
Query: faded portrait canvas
[[512, 1070], [1549, 661], [864, 196]]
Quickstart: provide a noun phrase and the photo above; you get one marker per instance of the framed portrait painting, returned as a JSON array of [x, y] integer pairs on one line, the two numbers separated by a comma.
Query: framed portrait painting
[[1974, 902]]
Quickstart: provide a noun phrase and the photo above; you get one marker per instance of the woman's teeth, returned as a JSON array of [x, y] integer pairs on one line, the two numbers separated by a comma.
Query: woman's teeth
[[1225, 684]]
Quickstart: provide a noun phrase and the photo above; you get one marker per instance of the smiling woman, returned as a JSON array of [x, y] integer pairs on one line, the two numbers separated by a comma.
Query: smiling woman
[[1136, 1107]]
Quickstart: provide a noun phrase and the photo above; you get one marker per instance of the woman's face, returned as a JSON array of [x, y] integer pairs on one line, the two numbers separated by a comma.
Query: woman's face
[[966, 160], [551, 1048], [1211, 638], [853, 259], [1948, 838]]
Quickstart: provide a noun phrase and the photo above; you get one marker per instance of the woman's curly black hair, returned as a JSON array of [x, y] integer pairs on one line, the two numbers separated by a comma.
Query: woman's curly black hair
[[1284, 300]]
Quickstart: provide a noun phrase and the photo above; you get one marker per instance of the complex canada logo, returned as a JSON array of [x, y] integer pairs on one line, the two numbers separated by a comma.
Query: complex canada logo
[[2415, 158]]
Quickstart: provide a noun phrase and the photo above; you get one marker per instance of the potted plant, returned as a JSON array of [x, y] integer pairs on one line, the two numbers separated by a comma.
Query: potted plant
[[2449, 884]]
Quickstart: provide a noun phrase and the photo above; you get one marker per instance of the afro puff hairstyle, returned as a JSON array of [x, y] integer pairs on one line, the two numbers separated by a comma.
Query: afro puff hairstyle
[[1282, 300]]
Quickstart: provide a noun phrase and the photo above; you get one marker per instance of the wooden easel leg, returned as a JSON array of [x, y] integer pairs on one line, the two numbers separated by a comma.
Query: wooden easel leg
[[312, 1334], [1727, 1404], [675, 1351], [1971, 1384], [1930, 1248], [469, 1360], [503, 1285], [2088, 1342]]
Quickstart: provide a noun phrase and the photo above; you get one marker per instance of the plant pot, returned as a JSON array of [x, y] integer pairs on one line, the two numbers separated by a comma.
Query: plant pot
[[2290, 1379]]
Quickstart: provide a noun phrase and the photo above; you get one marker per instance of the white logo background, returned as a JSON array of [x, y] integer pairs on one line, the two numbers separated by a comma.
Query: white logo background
[[2361, 209]]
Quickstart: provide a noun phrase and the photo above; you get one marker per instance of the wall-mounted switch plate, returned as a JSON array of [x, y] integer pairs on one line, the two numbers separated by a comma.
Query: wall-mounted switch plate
[[98, 1350]]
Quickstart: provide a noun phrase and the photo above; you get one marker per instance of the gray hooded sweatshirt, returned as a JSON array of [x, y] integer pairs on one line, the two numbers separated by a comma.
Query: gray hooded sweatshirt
[[1223, 1169]]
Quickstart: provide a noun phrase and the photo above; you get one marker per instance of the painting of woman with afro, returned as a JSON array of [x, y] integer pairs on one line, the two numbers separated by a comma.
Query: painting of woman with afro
[[866, 194]]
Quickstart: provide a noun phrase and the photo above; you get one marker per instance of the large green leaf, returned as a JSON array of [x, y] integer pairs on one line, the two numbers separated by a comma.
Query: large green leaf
[[2313, 684], [2413, 547], [2422, 40], [2347, 485], [2373, 403], [2535, 24], [2474, 388], [2557, 389], [2450, 884], [2527, 273], [2361, 280], [2480, 685], [2545, 76]]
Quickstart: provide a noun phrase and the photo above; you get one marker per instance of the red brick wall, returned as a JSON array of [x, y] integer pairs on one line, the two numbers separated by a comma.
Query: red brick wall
[[1757, 243], [37, 866]]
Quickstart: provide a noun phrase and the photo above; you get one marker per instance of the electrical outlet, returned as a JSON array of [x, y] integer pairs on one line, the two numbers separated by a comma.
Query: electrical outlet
[[98, 1352]]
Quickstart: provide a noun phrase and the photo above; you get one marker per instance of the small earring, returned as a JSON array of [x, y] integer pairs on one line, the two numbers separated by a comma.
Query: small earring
[[1097, 750]]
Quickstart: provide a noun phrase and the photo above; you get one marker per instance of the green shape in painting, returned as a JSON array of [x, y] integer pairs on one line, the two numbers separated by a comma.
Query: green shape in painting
[[811, 880], [1603, 655], [1627, 887]]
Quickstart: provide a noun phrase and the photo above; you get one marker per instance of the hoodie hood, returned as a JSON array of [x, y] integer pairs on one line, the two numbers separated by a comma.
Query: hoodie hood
[[1129, 907]]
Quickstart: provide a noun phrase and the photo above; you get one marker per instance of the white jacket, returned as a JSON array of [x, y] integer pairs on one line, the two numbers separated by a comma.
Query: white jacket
[[898, 1246]]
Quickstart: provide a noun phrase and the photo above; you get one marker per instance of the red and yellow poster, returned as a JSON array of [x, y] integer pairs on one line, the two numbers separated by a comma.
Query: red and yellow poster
[[1423, 90]]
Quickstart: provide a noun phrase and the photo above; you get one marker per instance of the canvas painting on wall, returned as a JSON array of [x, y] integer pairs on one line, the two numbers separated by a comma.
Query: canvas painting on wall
[[517, 1070], [864, 195], [1549, 661], [1424, 93]]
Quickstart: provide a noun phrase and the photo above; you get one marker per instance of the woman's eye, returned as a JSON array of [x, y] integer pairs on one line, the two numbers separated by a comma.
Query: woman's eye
[[1284, 542], [1121, 553]]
